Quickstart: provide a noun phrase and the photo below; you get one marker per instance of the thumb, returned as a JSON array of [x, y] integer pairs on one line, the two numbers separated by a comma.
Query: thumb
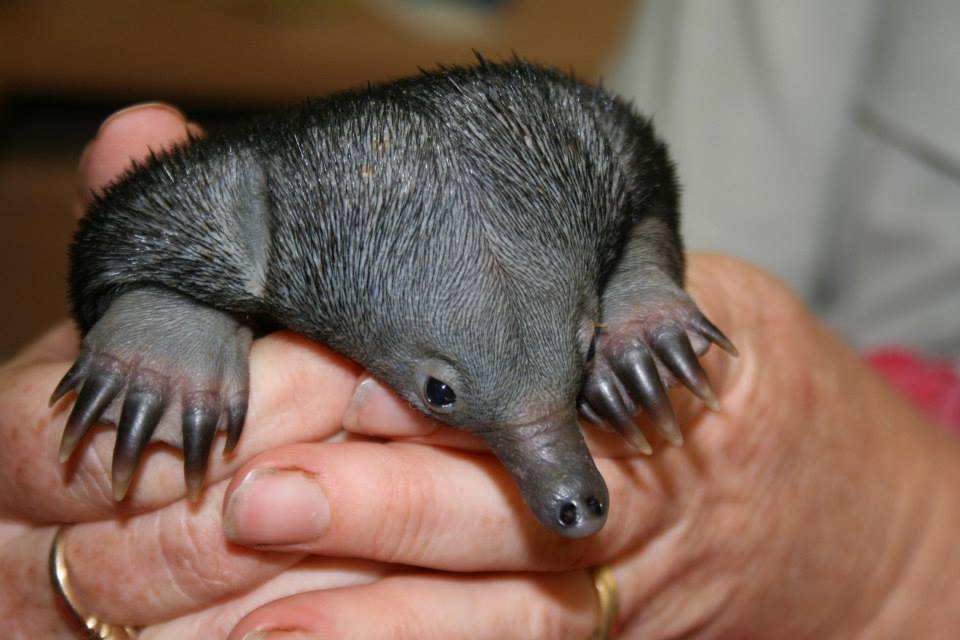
[[128, 135]]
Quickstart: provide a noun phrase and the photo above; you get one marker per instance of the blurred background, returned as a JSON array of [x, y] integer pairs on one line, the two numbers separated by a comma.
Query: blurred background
[[65, 66]]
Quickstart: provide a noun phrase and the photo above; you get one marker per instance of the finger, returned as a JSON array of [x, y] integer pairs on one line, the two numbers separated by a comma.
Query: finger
[[310, 574], [375, 410], [115, 565], [299, 392], [126, 136], [115, 577], [27, 603], [424, 606], [62, 342], [433, 507]]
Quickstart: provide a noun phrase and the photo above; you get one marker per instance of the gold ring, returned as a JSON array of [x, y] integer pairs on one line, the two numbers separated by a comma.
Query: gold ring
[[608, 601], [93, 628]]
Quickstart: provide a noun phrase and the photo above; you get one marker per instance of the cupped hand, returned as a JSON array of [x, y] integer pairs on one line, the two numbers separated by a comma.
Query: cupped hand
[[155, 560], [814, 503]]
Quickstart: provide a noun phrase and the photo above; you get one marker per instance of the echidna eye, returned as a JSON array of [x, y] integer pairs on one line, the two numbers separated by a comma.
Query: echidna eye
[[439, 394]]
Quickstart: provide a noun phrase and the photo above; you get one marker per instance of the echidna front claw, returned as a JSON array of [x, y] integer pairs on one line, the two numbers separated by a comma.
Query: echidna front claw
[[676, 353], [99, 389], [71, 379], [201, 412], [236, 415], [604, 395], [638, 371], [635, 359], [143, 406], [702, 325]]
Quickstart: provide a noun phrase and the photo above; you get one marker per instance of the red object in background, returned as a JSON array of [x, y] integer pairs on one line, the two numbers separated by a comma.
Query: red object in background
[[932, 385]]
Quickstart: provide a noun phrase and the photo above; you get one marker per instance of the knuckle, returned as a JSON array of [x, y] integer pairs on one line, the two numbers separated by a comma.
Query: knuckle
[[193, 563]]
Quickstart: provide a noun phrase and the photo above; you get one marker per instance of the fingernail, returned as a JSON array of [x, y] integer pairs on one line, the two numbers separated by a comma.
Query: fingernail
[[135, 107], [277, 507], [351, 417], [376, 411]]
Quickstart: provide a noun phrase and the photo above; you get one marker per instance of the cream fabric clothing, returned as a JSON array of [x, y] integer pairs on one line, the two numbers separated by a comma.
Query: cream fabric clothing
[[820, 140]]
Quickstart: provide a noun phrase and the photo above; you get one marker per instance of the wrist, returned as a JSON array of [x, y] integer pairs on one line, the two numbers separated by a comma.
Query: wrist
[[923, 594]]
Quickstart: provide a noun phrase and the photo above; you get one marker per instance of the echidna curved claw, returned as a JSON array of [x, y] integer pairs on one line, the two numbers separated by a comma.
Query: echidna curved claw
[[636, 358], [674, 350], [638, 371], [143, 406], [587, 412], [236, 416], [612, 404], [702, 325], [71, 379], [96, 394], [200, 416]]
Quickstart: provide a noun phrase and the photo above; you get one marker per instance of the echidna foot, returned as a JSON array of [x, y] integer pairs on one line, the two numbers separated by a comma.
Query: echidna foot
[[153, 357], [636, 359]]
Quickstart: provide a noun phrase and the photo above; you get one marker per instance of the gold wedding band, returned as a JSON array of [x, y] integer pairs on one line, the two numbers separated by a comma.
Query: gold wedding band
[[60, 580], [607, 601]]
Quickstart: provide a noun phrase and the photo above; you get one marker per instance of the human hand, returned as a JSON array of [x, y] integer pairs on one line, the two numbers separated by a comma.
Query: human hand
[[155, 560], [815, 503]]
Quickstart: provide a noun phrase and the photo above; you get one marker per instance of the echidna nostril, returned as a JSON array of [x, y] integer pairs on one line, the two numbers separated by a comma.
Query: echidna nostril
[[569, 514], [596, 507]]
